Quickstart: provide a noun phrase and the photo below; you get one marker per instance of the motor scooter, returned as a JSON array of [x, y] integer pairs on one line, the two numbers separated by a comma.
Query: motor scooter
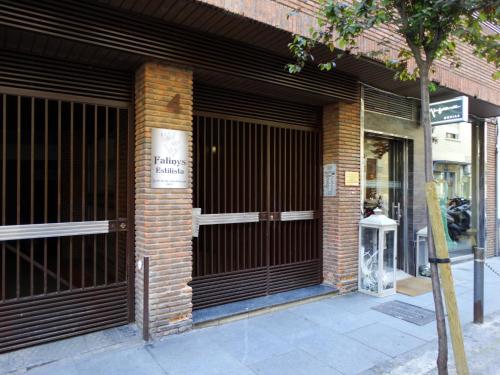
[[458, 216]]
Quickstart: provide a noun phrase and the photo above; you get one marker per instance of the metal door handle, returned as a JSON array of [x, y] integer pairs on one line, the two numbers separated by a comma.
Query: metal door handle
[[397, 216], [246, 217], [49, 230], [228, 218]]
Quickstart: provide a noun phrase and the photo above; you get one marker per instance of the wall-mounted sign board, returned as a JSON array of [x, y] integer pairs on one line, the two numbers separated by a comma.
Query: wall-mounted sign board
[[330, 180], [169, 159], [450, 111], [351, 178]]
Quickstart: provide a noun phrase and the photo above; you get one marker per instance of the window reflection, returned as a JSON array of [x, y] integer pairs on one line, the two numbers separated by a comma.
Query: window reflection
[[452, 171]]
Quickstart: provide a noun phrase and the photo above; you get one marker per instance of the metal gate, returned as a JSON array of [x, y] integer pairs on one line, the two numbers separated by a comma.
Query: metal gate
[[64, 233], [258, 230]]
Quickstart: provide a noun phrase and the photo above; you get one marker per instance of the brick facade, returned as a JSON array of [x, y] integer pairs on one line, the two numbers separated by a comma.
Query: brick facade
[[341, 214], [163, 99], [490, 170], [474, 77]]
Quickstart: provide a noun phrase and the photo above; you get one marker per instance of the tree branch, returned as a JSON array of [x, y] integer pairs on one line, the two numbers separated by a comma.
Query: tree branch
[[401, 7]]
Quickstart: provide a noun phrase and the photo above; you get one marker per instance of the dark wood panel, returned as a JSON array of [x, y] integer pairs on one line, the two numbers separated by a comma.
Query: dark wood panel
[[256, 107], [229, 287], [45, 74], [62, 161], [245, 165], [56, 317], [88, 23]]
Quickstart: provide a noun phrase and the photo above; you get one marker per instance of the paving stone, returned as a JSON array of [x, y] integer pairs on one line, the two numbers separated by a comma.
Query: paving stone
[[340, 352], [248, 343], [355, 302], [50, 352], [194, 353], [426, 332], [463, 289], [386, 339], [6, 363], [109, 337], [481, 344], [296, 362], [136, 361], [341, 321], [63, 367], [285, 325], [466, 311], [317, 310]]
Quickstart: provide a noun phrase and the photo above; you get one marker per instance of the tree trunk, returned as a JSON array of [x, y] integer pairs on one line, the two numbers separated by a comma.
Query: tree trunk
[[442, 360]]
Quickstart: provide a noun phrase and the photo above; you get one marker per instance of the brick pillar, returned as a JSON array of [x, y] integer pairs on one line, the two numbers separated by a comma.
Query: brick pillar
[[163, 99], [491, 181], [341, 214]]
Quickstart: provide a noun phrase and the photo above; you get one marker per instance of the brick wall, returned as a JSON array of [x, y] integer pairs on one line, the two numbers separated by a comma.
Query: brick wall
[[341, 214], [163, 99], [472, 78], [490, 170]]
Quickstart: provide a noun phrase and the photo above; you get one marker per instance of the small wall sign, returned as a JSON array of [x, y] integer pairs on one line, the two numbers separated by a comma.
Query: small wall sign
[[169, 159], [450, 111], [330, 180], [351, 178]]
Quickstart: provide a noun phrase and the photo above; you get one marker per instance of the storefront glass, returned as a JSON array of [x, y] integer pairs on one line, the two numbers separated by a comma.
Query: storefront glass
[[384, 184], [452, 145]]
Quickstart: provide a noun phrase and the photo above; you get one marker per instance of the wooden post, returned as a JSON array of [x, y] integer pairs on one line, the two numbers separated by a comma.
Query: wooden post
[[446, 278]]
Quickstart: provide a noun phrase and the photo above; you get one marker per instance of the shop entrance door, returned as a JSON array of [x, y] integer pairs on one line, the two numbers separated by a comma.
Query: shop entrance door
[[386, 186], [256, 186], [65, 216]]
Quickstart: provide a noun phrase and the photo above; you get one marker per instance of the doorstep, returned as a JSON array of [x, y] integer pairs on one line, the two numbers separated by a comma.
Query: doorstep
[[216, 315]]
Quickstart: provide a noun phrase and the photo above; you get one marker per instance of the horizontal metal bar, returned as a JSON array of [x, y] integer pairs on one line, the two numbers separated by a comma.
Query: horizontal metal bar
[[214, 219], [66, 97], [297, 215], [29, 231], [231, 218]]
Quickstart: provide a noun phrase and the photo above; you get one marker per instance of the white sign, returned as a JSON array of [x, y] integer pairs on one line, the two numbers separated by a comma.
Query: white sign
[[169, 159]]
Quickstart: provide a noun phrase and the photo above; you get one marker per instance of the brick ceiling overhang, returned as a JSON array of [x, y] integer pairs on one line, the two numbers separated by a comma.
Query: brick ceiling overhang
[[266, 24], [211, 20]]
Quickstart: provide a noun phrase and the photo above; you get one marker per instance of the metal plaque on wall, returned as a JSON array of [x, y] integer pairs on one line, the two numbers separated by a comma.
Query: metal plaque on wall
[[169, 159], [351, 178], [329, 180]]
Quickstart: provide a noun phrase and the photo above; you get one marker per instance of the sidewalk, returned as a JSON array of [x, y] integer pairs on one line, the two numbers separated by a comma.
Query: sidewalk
[[339, 335], [482, 343]]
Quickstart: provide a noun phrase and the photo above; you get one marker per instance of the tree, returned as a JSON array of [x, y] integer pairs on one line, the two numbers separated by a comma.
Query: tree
[[431, 30]]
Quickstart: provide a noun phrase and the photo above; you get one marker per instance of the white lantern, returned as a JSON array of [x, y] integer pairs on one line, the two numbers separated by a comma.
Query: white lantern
[[377, 255], [422, 254]]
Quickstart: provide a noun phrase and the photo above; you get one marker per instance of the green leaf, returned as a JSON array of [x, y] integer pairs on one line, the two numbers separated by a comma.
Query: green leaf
[[430, 28]]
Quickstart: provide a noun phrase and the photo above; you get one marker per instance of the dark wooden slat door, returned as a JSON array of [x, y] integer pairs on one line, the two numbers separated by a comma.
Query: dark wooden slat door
[[266, 170], [295, 250], [64, 166]]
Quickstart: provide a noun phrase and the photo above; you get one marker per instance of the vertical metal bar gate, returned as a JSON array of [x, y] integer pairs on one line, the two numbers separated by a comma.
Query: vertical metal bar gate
[[257, 184], [64, 201]]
